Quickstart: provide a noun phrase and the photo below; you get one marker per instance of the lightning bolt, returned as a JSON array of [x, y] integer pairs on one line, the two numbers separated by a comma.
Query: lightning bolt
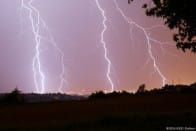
[[148, 41], [36, 23], [62, 74], [108, 73]]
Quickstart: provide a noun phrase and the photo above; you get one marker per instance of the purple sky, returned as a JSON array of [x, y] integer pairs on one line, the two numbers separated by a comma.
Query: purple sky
[[76, 26]]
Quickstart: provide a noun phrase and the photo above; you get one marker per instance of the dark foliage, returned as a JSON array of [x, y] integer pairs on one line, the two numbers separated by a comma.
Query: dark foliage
[[175, 89], [101, 94], [167, 89], [141, 89], [15, 97], [179, 15]]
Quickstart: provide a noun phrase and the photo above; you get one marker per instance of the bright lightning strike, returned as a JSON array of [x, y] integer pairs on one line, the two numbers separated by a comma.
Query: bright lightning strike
[[39, 76], [148, 41], [108, 74], [36, 23]]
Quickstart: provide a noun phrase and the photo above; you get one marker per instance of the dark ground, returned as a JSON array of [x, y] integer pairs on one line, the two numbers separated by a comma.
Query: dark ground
[[136, 112]]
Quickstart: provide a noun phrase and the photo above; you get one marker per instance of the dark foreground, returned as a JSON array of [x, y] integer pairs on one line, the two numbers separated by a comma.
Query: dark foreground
[[137, 112]]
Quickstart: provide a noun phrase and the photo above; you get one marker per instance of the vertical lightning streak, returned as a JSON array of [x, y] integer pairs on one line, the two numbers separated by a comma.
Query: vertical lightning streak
[[148, 38], [36, 23], [108, 74], [62, 74], [36, 60]]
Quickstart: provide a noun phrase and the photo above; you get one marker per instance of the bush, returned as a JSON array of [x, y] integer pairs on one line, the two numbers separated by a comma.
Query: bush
[[15, 97], [141, 89], [99, 94]]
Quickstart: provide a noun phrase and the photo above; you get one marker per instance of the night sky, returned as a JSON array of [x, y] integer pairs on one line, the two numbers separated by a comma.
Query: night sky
[[76, 27]]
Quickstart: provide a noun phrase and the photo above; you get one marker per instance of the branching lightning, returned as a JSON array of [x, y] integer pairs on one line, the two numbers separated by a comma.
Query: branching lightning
[[108, 74], [148, 41], [36, 23]]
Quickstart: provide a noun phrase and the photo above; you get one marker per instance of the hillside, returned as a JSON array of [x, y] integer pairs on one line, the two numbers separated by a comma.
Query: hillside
[[124, 112]]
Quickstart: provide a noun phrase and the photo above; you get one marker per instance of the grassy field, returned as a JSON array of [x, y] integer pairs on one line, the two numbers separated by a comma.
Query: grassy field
[[137, 112]]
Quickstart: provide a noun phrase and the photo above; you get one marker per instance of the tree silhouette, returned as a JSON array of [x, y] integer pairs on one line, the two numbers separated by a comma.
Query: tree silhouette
[[15, 97], [141, 89], [99, 94], [178, 15]]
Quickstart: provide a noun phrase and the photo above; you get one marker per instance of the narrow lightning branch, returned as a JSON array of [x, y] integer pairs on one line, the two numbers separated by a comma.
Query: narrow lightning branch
[[108, 74], [54, 44], [36, 23], [39, 76], [148, 41], [62, 74]]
